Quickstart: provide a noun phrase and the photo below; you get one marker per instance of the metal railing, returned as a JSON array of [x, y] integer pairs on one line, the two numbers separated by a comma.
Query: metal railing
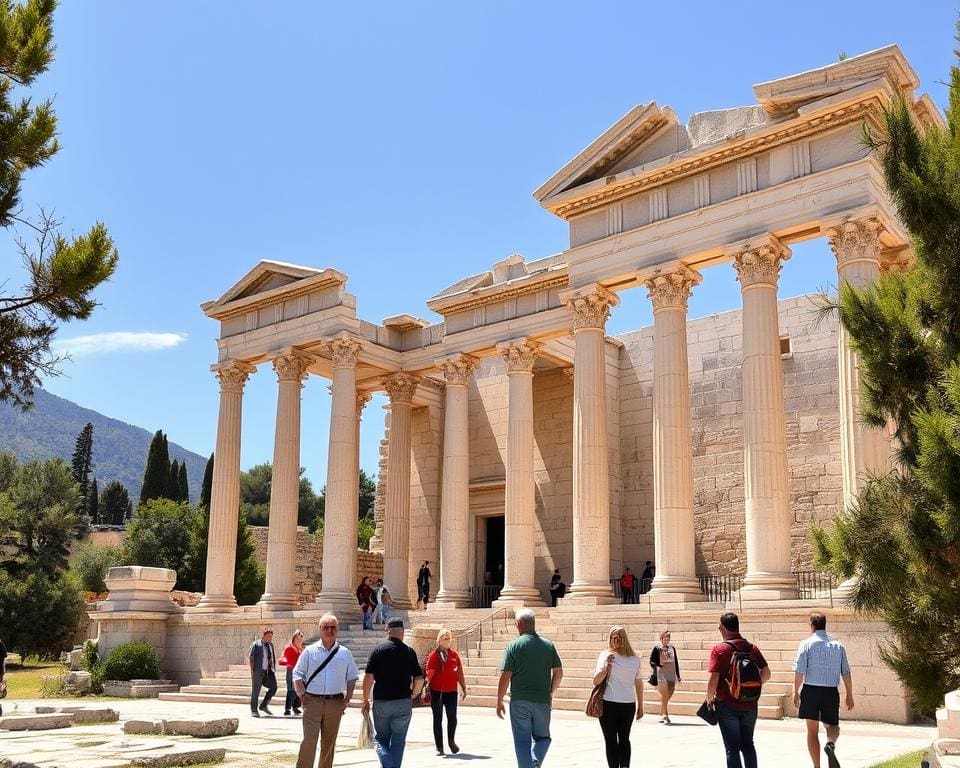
[[640, 587], [721, 588], [815, 585], [483, 597], [473, 636]]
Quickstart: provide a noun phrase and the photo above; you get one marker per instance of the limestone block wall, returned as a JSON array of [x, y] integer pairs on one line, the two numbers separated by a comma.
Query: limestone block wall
[[812, 418], [309, 572], [426, 449]]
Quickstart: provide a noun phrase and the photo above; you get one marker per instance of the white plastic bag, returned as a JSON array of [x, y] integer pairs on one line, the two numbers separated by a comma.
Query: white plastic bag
[[365, 738]]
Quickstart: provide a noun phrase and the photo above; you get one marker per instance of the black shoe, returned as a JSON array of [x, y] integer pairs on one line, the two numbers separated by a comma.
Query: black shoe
[[831, 750], [439, 753], [263, 708], [454, 748], [298, 712], [254, 713], [286, 713]]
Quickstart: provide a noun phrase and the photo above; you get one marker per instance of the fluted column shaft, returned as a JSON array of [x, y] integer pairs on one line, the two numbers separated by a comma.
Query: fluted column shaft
[[674, 542], [340, 510], [396, 525], [225, 490], [591, 480], [455, 499], [766, 487], [863, 450], [280, 592], [519, 494]]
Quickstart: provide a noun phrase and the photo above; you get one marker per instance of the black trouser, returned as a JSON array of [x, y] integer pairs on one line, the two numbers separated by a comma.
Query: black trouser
[[438, 702], [615, 722], [266, 679], [292, 701]]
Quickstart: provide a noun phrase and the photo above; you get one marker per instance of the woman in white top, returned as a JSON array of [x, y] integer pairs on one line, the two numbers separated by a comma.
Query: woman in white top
[[623, 697], [666, 666]]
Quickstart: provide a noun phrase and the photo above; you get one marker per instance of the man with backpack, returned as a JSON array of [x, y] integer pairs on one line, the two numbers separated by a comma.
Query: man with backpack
[[737, 674]]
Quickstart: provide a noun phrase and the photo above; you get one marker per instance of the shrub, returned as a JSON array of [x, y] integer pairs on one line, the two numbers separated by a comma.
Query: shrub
[[135, 660], [53, 686], [90, 661], [40, 613], [92, 563]]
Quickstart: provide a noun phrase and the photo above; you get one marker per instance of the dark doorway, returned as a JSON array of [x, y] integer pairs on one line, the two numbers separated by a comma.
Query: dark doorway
[[493, 563]]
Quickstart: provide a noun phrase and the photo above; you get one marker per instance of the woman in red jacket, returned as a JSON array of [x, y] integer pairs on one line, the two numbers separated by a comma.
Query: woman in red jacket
[[444, 674], [288, 659]]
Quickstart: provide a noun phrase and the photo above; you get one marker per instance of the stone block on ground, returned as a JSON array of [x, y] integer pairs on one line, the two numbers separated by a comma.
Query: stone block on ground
[[36, 722], [143, 727], [139, 689], [86, 715], [193, 757], [203, 729], [43, 710], [79, 681], [5, 763]]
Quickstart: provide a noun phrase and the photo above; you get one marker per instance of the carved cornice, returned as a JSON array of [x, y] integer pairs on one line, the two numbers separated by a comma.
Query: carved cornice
[[799, 128], [758, 262], [519, 354], [856, 240], [672, 289], [896, 260], [291, 365], [568, 372], [401, 387], [344, 351], [362, 399], [233, 375], [591, 306], [457, 369], [495, 294]]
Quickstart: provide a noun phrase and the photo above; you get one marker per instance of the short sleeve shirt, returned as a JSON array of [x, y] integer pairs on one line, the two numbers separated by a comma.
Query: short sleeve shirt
[[531, 660], [621, 683], [720, 658], [393, 666], [334, 678]]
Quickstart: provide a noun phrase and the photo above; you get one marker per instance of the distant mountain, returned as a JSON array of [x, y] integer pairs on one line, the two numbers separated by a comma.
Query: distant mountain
[[51, 427]]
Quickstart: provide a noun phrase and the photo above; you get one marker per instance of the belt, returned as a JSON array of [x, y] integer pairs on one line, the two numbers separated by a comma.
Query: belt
[[325, 695]]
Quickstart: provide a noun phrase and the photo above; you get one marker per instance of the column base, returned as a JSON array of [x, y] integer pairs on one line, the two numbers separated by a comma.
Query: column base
[[769, 586], [845, 590], [340, 604], [279, 601], [453, 598], [674, 597], [514, 600], [586, 593], [216, 604], [686, 588]]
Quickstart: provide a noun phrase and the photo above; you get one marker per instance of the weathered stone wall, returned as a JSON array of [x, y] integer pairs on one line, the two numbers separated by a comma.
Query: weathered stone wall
[[426, 456], [309, 568], [811, 393]]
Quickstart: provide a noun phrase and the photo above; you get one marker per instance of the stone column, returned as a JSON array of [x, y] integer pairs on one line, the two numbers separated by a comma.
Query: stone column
[[455, 498], [281, 594], [863, 450], [225, 491], [674, 536], [401, 388], [362, 399], [766, 487], [340, 512], [520, 492], [591, 481]]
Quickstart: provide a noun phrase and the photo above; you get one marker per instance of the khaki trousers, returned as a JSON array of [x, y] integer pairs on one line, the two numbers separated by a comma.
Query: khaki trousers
[[321, 718]]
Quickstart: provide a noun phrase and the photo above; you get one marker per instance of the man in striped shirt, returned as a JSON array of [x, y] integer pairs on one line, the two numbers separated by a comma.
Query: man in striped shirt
[[821, 662]]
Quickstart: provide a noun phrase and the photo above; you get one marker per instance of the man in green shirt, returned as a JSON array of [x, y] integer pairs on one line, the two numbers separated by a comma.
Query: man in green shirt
[[531, 668]]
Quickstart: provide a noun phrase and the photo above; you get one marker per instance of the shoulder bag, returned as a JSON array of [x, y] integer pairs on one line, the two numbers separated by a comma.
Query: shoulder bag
[[594, 706], [320, 669]]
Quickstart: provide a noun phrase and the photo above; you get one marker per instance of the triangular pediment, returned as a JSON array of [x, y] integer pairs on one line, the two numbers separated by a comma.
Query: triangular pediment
[[626, 137], [271, 278], [786, 95]]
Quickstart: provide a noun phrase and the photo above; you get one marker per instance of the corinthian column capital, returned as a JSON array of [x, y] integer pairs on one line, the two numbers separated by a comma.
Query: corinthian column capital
[[758, 261], [520, 354], [362, 399], [672, 289], [401, 387], [344, 351], [856, 240], [291, 365], [232, 374], [590, 305], [457, 369]]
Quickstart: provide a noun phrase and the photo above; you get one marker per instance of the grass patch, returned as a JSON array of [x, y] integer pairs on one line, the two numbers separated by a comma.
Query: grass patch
[[24, 682], [911, 760]]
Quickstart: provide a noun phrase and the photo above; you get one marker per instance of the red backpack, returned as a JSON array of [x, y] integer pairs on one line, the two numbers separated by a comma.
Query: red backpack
[[743, 676]]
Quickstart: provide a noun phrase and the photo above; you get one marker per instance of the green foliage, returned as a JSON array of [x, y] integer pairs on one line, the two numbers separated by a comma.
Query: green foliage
[[159, 534], [365, 531], [255, 497], [91, 563], [90, 661], [206, 487], [368, 494], [80, 464], [156, 474], [39, 611], [63, 272], [94, 503], [135, 660], [173, 484], [192, 574], [183, 487], [8, 468], [114, 504], [902, 534], [249, 578], [38, 517]]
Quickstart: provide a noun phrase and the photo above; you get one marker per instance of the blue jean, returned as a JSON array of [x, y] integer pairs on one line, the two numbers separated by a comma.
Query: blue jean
[[292, 702], [530, 722], [391, 719], [736, 730]]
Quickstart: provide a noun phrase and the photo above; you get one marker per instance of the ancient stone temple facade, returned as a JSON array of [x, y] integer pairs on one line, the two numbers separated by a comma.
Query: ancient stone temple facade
[[523, 438]]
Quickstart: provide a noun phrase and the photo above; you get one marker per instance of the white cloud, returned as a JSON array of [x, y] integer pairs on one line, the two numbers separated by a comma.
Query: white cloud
[[121, 341]]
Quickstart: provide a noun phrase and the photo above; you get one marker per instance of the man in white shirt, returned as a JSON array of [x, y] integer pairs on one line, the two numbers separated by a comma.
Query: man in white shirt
[[384, 600], [324, 679]]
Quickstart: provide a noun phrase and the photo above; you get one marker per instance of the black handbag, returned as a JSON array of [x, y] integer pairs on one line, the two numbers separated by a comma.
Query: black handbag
[[707, 713], [653, 678]]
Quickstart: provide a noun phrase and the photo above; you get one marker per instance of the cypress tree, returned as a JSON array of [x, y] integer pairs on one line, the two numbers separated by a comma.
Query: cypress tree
[[206, 488], [173, 484], [169, 487], [183, 485], [901, 536], [81, 463], [94, 507], [114, 503], [156, 475]]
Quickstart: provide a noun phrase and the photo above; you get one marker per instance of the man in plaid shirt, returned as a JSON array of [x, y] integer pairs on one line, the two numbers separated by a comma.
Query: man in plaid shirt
[[821, 662]]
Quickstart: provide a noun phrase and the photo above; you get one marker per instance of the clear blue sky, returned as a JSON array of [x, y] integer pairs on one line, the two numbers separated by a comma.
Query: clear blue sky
[[396, 142]]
